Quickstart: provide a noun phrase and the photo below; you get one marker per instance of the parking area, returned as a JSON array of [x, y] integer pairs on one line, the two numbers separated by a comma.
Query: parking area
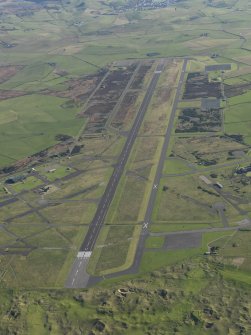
[[182, 241]]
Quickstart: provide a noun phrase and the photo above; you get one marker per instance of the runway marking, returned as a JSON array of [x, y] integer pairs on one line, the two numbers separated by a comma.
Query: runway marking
[[155, 186], [84, 254], [145, 225]]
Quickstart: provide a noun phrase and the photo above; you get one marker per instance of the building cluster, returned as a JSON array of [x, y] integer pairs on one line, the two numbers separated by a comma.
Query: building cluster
[[144, 5]]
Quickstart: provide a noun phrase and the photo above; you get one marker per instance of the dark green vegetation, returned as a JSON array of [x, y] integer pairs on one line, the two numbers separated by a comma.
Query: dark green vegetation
[[192, 120], [197, 296]]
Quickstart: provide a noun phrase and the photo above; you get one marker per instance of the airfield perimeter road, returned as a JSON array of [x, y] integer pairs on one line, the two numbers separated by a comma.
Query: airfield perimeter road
[[162, 159], [78, 277]]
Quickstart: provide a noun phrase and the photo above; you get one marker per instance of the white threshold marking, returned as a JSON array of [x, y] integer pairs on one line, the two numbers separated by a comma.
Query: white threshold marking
[[84, 254]]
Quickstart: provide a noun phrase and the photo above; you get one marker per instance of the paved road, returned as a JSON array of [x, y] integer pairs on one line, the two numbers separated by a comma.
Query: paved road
[[164, 148], [8, 202], [78, 276], [202, 230]]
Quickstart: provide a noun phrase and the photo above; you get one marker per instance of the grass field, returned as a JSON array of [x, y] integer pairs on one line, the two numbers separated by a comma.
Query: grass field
[[237, 118], [43, 267], [186, 203], [236, 250], [176, 166], [112, 255], [38, 119], [154, 242], [29, 183], [60, 172], [198, 150], [12, 210], [70, 213]]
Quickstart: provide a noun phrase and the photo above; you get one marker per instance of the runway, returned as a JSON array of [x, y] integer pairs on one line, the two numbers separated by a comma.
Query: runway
[[148, 215], [78, 277]]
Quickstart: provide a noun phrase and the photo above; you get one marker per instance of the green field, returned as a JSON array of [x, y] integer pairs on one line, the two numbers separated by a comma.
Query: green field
[[154, 242], [237, 116], [112, 251], [33, 122]]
